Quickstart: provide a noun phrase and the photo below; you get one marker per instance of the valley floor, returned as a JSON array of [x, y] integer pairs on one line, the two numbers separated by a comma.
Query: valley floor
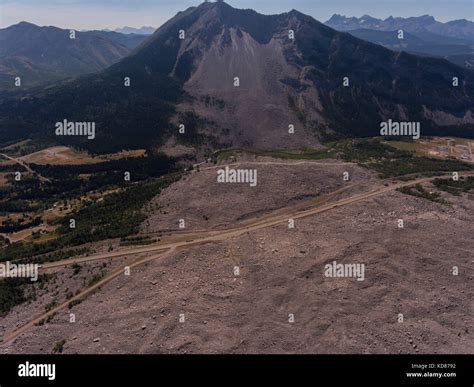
[[237, 279]]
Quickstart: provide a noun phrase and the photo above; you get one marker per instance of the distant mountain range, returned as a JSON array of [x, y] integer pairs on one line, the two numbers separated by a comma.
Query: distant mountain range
[[461, 29], [42, 55], [423, 35], [238, 78], [455, 51], [139, 31]]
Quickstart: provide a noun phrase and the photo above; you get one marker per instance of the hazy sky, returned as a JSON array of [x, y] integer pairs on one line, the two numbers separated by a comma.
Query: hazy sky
[[100, 14]]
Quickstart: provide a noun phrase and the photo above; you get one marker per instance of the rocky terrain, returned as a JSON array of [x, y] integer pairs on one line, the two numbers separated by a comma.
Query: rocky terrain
[[236, 78], [192, 301]]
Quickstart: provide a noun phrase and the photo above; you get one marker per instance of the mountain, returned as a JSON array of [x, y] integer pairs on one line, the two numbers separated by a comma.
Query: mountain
[[129, 40], [42, 55], [423, 35], [421, 44], [282, 82], [388, 38], [459, 29], [139, 31]]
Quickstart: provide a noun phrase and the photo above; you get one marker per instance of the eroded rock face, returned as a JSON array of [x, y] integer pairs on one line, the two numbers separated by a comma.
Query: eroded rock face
[[292, 69], [237, 78]]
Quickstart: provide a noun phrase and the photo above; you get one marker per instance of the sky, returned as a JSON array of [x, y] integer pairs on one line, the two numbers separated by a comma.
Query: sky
[[101, 14]]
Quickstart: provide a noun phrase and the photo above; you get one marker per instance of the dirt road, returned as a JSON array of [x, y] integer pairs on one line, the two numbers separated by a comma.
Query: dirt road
[[208, 237], [190, 239], [24, 165]]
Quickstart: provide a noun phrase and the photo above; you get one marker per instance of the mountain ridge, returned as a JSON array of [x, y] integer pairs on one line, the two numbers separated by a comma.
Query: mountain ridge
[[283, 82], [461, 29], [144, 30], [46, 54]]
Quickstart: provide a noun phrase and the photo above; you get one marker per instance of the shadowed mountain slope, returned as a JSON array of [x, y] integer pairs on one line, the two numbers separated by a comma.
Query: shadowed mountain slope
[[281, 82]]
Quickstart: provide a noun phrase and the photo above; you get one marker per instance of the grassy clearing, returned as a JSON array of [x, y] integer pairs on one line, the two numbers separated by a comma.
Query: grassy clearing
[[437, 147], [389, 161], [305, 154], [289, 154]]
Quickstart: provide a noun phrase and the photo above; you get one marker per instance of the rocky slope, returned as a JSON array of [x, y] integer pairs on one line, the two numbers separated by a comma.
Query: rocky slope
[[282, 82]]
